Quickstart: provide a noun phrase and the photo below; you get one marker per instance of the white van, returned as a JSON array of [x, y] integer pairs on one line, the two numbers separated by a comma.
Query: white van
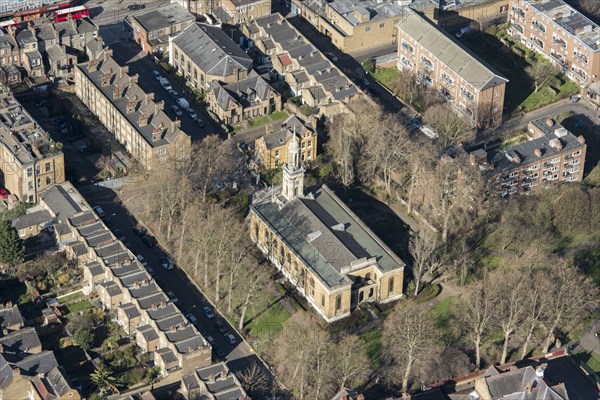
[[183, 103]]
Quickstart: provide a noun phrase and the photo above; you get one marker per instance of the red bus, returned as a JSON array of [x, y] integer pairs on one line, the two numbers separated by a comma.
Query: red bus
[[71, 13], [8, 23], [27, 12]]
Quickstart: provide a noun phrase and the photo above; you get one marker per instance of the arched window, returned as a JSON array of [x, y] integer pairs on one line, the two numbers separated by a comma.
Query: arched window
[[322, 300], [368, 276], [391, 285], [338, 302], [311, 287]]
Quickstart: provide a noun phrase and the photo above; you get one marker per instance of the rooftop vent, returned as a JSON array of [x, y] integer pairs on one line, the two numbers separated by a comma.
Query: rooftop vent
[[313, 235], [556, 144], [560, 132], [339, 227]]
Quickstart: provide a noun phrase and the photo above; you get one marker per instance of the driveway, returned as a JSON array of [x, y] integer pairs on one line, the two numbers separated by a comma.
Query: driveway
[[190, 299]]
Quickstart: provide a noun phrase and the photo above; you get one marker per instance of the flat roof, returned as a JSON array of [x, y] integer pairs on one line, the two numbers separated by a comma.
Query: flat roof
[[375, 10], [163, 17], [453, 54]]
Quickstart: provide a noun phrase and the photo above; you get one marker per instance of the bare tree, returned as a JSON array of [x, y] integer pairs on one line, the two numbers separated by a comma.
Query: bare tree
[[592, 7], [571, 296], [407, 87], [408, 334], [542, 73], [475, 316], [211, 160], [350, 362], [253, 378], [424, 250], [451, 127], [536, 303], [441, 364], [508, 293]]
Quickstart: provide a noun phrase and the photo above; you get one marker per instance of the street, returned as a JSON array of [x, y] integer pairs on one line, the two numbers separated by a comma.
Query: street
[[239, 356]]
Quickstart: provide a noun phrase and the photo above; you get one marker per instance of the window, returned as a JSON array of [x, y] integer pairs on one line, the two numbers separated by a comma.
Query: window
[[576, 153], [322, 300], [162, 152], [408, 47], [367, 29], [48, 180], [381, 25], [277, 153], [48, 167], [391, 285], [29, 172], [447, 78]]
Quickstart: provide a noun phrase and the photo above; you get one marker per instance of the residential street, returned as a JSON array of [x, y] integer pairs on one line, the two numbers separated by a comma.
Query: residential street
[[190, 299]]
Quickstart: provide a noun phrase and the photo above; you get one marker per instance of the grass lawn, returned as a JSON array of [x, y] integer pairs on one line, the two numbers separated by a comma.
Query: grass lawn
[[72, 296], [269, 322], [260, 121], [82, 305], [372, 340], [443, 311], [544, 96], [386, 76], [591, 359], [278, 115]]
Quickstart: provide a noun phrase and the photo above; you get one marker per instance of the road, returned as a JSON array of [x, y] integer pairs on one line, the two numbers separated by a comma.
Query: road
[[190, 299], [106, 12]]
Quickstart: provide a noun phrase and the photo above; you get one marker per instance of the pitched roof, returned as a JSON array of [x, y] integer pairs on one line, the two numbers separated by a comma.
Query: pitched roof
[[244, 93], [18, 343], [212, 50], [6, 373], [36, 363], [453, 54], [10, 316], [31, 219]]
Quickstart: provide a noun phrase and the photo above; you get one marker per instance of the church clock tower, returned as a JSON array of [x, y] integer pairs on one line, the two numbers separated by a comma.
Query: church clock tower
[[293, 172]]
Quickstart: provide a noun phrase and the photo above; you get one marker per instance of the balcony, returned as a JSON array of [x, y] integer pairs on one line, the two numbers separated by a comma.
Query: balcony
[[581, 57], [579, 73], [466, 94], [518, 27], [428, 64], [446, 94], [447, 79], [537, 42], [559, 42], [557, 57]]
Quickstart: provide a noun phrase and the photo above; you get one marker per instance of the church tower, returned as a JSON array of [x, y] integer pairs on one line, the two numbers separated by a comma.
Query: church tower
[[293, 172]]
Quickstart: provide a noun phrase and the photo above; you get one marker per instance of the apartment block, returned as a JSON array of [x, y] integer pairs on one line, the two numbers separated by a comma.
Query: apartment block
[[204, 54], [310, 75], [560, 33], [29, 160], [153, 28], [551, 155], [137, 121], [271, 148], [124, 286], [243, 100], [440, 62], [353, 26], [240, 11]]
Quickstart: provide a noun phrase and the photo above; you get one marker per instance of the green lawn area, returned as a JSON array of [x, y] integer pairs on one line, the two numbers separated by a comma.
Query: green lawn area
[[72, 296], [278, 115], [386, 76], [443, 311], [591, 359], [269, 322], [544, 96], [260, 121], [372, 340], [82, 305]]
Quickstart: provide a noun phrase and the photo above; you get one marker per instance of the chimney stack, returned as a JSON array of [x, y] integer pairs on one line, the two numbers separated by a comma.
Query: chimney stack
[[134, 79], [159, 106], [132, 104], [550, 122], [212, 378], [157, 132], [148, 98], [117, 92], [538, 153], [517, 159], [93, 65], [581, 139], [105, 79], [557, 144], [142, 120]]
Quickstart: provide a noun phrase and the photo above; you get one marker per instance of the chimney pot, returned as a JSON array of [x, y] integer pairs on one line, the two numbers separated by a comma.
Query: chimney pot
[[538, 152], [581, 139], [550, 122], [517, 160]]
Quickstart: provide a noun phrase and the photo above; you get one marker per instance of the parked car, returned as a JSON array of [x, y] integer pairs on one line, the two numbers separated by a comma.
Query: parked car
[[208, 312], [220, 354], [210, 340], [427, 131], [176, 110], [331, 55], [183, 103], [119, 234], [200, 122], [59, 121], [575, 99], [173, 94], [464, 31], [142, 260], [3, 193], [149, 240], [191, 112], [365, 81], [172, 296], [164, 82], [157, 75], [230, 338], [99, 211], [166, 263], [415, 123], [192, 318], [151, 271], [201, 330], [221, 326]]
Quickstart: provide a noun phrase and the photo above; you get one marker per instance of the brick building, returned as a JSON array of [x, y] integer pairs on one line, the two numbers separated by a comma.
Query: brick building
[[439, 61]]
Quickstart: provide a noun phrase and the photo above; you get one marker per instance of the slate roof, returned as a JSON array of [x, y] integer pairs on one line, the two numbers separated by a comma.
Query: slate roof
[[6, 373], [10, 316], [58, 200], [212, 50], [168, 357], [20, 342], [36, 363], [31, 219], [293, 124], [245, 93], [157, 119], [54, 383], [126, 269], [163, 17], [148, 332], [162, 312], [224, 387], [130, 310], [333, 249], [526, 150], [111, 288], [450, 52]]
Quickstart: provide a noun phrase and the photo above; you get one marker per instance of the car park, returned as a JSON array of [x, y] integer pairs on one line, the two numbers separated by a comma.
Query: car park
[[176, 110], [210, 339], [157, 75], [191, 112], [142, 260], [166, 263], [172, 296], [99, 211], [230, 338], [173, 93], [208, 312]]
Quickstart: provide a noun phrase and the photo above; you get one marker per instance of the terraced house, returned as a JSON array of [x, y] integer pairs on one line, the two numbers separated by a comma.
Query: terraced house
[[29, 160], [243, 100], [439, 61], [204, 54], [124, 286], [137, 121], [310, 75], [551, 155], [322, 248], [560, 33]]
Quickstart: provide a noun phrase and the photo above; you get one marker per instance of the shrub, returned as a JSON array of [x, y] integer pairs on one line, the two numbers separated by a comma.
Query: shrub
[[133, 376], [428, 293]]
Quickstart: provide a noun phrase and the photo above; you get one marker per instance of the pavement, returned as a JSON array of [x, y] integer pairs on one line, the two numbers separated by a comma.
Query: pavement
[[590, 342], [190, 299]]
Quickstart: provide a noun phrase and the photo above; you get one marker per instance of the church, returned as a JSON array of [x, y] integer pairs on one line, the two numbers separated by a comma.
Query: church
[[332, 258]]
